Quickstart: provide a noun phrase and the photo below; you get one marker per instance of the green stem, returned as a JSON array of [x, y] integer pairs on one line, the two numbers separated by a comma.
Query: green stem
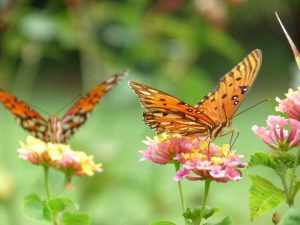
[[177, 166], [46, 173], [293, 189], [283, 181], [206, 191]]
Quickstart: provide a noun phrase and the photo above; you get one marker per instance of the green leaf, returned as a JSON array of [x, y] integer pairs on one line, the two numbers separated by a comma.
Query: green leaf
[[264, 196], [194, 214], [208, 212], [292, 217], [33, 207], [76, 218], [188, 222], [226, 221], [262, 159], [59, 204], [162, 223]]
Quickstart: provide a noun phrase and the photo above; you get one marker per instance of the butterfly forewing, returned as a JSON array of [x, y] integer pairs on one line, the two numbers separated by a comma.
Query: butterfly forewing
[[29, 119], [222, 103], [79, 112], [165, 113]]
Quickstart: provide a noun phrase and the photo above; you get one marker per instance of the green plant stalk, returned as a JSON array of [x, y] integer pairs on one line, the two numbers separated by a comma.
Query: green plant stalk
[[47, 189], [177, 166], [206, 191], [293, 189], [46, 174], [282, 176]]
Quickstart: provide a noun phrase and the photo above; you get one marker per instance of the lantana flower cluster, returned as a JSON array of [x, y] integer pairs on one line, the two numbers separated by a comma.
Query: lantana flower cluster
[[283, 133], [58, 156], [198, 158]]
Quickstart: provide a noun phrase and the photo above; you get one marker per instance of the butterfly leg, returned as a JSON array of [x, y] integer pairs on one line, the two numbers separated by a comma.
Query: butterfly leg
[[232, 139]]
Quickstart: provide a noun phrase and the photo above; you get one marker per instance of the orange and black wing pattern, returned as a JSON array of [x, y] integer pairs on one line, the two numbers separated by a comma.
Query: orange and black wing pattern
[[165, 113], [79, 112], [29, 119], [222, 103]]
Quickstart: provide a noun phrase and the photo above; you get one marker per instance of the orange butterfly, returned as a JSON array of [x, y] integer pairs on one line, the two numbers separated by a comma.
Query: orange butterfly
[[165, 113], [58, 130]]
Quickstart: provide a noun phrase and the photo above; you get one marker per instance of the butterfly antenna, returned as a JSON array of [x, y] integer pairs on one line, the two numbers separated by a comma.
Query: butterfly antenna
[[39, 109], [68, 104], [251, 107]]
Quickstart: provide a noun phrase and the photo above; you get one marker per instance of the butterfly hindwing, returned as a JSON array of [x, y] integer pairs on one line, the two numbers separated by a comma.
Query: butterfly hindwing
[[29, 119], [165, 113], [79, 112]]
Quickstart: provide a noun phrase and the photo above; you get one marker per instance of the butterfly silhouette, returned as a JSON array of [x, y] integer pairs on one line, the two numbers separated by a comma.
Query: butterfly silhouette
[[213, 113], [58, 130]]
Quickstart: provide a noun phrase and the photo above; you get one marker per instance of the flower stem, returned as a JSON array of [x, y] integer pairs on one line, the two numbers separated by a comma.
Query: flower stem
[[206, 190], [293, 189], [177, 166], [46, 173]]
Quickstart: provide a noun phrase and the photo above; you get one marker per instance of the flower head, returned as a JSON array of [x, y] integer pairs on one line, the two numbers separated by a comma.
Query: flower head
[[163, 148], [209, 161], [280, 133], [58, 156], [291, 104], [196, 156]]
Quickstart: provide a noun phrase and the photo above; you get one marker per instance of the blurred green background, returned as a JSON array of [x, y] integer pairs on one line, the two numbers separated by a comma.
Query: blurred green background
[[53, 50]]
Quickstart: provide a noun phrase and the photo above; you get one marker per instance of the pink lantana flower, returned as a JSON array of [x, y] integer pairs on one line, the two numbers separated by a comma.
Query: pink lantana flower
[[198, 158], [164, 148], [280, 133], [209, 161], [58, 156], [291, 104]]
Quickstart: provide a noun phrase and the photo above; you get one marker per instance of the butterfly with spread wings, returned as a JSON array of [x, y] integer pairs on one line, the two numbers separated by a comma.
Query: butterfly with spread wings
[[213, 113], [58, 130]]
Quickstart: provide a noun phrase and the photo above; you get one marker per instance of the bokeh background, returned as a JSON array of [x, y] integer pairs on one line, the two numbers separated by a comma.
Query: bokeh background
[[53, 50]]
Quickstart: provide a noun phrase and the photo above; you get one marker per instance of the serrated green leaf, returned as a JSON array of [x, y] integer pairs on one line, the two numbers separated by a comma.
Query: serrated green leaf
[[262, 159], [33, 207], [264, 196], [59, 204], [292, 217], [226, 221], [78, 218], [161, 223]]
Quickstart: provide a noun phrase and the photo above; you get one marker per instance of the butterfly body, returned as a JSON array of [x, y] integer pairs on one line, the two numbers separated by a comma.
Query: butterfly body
[[55, 129], [213, 113]]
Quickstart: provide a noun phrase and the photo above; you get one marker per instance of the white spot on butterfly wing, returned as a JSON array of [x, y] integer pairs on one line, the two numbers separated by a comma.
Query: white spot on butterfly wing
[[108, 87], [145, 92], [153, 91], [190, 117], [183, 128]]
